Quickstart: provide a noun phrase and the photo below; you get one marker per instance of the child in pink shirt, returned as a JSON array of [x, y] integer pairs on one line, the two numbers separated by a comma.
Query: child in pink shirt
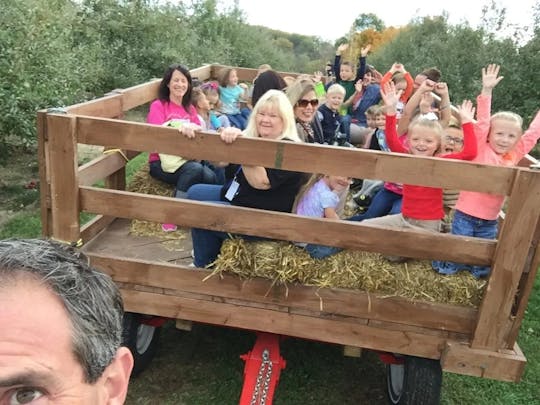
[[501, 143]]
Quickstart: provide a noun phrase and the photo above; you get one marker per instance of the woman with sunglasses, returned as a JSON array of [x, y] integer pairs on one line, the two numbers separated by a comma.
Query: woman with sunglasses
[[305, 102]]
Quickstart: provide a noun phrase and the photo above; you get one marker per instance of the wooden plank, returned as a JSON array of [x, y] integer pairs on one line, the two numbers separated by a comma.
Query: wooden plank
[[93, 227], [283, 226], [138, 95], [202, 73], [117, 180], [504, 366], [322, 300], [325, 330], [525, 289], [248, 74], [108, 107], [99, 168], [64, 182], [44, 183], [308, 158], [516, 238]]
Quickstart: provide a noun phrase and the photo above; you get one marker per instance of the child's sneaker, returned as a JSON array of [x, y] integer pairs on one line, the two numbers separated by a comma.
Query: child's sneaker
[[168, 227], [445, 268]]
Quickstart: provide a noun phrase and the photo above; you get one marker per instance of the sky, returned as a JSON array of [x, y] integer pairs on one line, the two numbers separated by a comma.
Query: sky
[[332, 19]]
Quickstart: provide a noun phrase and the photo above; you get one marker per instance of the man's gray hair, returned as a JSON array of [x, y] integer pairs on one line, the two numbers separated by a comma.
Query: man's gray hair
[[91, 299]]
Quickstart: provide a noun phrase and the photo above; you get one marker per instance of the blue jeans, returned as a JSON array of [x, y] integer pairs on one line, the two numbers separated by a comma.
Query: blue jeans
[[321, 251], [346, 126], [205, 192], [467, 225], [239, 120], [207, 243], [191, 172], [385, 202]]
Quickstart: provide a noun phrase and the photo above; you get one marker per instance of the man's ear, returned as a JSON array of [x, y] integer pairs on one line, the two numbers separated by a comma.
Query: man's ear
[[116, 377]]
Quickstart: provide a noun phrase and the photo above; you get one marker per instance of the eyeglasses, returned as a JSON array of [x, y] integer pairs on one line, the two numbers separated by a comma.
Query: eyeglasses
[[304, 103], [456, 140]]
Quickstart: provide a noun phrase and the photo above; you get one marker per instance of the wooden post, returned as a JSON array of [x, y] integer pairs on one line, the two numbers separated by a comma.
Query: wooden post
[[510, 258], [61, 132], [525, 288], [44, 180]]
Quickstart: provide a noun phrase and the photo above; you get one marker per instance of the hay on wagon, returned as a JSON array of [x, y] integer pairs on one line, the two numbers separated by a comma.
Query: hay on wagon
[[142, 182], [283, 262]]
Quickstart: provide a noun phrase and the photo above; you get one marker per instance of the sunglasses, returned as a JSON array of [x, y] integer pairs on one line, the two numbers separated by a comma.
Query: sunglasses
[[304, 103]]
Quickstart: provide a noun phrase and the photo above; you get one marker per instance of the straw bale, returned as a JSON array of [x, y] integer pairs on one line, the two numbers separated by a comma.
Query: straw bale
[[142, 182], [284, 262]]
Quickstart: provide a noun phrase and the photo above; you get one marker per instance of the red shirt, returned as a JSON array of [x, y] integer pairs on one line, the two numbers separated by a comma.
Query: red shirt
[[421, 202]]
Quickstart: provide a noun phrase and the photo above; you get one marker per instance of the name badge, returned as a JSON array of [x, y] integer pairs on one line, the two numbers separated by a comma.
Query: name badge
[[233, 189]]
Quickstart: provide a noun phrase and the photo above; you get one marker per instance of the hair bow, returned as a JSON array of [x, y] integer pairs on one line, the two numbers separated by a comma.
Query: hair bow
[[210, 85]]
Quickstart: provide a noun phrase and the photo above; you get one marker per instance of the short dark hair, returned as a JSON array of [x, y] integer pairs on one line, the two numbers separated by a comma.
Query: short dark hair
[[91, 299], [164, 93], [432, 74]]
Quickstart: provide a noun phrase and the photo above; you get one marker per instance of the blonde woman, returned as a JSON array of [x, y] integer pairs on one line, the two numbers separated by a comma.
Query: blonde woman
[[255, 186]]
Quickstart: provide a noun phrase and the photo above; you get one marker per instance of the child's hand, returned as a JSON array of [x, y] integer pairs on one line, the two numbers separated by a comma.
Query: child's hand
[[189, 129], [390, 97], [466, 111], [441, 89], [229, 135], [365, 50], [342, 48], [243, 85], [397, 67], [490, 77], [317, 77], [427, 86]]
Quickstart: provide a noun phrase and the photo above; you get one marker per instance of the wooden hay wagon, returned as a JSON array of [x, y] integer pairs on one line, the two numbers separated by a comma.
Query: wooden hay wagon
[[155, 281]]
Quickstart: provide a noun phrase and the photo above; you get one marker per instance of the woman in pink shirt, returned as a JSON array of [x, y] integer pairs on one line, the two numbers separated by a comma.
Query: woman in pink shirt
[[174, 107], [501, 143]]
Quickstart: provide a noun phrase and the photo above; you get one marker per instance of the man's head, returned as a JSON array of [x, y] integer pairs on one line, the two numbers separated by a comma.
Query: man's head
[[65, 326]]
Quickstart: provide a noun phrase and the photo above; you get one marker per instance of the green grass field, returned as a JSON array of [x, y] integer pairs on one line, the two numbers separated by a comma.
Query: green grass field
[[203, 366]]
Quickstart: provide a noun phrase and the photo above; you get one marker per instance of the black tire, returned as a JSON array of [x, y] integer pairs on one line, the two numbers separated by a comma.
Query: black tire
[[417, 381], [141, 339]]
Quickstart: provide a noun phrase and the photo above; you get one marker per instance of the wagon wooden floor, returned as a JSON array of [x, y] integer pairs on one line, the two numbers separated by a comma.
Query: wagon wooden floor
[[117, 240]]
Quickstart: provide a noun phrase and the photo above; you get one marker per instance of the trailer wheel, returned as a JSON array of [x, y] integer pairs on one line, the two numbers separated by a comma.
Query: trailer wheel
[[416, 381], [141, 339]]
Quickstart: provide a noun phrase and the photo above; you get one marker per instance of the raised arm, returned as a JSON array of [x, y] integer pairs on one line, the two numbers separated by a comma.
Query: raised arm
[[490, 79], [529, 138], [337, 60], [441, 89], [390, 99], [361, 69], [412, 104], [466, 114]]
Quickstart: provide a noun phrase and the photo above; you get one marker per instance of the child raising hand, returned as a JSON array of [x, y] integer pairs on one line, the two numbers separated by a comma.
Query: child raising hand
[[422, 206], [501, 142]]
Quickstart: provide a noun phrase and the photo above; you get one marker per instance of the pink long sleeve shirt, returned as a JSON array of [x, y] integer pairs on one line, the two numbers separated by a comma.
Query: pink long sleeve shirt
[[483, 205], [163, 111]]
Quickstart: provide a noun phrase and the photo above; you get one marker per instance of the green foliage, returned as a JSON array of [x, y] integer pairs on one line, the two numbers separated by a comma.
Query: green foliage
[[38, 67], [460, 52], [368, 20]]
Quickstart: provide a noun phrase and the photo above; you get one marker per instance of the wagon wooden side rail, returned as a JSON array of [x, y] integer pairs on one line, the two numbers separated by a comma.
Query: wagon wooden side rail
[[473, 341]]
